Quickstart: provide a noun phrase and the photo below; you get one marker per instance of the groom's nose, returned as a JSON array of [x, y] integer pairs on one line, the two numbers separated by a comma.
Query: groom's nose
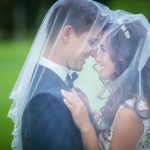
[[93, 53]]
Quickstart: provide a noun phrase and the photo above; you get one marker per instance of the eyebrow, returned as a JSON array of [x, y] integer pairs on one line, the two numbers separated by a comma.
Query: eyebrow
[[94, 40], [102, 47]]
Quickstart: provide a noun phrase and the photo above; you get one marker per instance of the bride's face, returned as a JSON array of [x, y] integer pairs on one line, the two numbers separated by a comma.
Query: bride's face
[[106, 65]]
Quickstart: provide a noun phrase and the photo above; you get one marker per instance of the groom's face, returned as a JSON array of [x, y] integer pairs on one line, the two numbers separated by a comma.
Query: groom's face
[[80, 49]]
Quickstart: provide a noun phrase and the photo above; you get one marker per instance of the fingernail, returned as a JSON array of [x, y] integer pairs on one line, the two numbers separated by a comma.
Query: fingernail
[[63, 92], [65, 100]]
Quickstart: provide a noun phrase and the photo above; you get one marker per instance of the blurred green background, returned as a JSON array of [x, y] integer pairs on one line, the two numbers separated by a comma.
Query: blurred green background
[[19, 22]]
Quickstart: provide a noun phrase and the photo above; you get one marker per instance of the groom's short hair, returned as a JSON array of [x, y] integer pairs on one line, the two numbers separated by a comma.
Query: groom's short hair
[[80, 14]]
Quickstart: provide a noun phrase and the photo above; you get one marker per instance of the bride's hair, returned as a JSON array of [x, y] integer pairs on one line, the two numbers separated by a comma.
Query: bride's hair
[[125, 51]]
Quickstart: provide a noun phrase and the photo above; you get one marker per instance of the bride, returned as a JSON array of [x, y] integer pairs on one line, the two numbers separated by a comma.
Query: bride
[[123, 59]]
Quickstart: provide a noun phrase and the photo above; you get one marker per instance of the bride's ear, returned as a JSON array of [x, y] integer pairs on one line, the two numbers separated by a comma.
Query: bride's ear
[[67, 33]]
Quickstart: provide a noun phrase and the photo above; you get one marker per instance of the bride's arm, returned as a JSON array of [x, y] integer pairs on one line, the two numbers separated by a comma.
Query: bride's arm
[[89, 138], [82, 121]]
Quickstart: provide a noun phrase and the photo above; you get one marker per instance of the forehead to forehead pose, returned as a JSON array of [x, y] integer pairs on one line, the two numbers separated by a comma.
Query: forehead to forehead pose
[[65, 39], [123, 61]]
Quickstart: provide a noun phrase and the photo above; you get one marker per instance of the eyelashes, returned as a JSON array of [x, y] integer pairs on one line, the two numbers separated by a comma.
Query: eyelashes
[[94, 43]]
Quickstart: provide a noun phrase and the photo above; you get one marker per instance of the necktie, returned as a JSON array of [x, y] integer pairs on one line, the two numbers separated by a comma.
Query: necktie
[[70, 79]]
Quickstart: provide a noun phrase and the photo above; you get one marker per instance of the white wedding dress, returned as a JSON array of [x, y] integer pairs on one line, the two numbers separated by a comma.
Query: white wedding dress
[[144, 141]]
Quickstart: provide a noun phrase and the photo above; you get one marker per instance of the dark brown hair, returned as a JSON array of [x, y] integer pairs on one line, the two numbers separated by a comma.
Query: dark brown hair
[[79, 14], [122, 52]]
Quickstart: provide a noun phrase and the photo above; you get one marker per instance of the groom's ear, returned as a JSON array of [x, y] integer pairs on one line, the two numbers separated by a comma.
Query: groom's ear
[[67, 33]]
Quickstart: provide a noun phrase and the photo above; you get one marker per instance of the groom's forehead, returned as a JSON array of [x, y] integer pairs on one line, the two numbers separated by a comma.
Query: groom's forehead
[[96, 35], [97, 32]]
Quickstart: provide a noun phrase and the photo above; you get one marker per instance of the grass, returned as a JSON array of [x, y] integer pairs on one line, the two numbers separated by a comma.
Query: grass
[[12, 56]]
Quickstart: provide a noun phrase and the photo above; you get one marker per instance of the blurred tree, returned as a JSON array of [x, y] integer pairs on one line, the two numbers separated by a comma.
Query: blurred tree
[[6, 26], [19, 17]]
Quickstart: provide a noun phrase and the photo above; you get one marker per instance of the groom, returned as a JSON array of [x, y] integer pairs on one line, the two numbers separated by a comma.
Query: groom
[[47, 124]]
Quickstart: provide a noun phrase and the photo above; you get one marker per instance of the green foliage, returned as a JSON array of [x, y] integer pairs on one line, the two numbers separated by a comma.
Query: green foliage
[[133, 6]]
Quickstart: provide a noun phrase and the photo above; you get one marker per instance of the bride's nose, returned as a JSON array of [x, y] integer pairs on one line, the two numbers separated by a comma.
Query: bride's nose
[[99, 57]]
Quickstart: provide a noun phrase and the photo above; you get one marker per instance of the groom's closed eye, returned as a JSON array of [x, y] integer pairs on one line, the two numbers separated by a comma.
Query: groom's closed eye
[[94, 43]]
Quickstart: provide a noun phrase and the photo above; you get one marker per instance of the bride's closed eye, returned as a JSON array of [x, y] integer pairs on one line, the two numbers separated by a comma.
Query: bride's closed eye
[[101, 48]]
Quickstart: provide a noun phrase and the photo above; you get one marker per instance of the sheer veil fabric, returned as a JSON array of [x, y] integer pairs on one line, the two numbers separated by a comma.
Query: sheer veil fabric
[[48, 44], [69, 31], [126, 38]]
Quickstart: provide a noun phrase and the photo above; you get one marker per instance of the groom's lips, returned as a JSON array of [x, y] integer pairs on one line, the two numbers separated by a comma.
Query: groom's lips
[[83, 61]]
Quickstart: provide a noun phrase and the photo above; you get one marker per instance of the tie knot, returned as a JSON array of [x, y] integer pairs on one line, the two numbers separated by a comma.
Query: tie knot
[[70, 79]]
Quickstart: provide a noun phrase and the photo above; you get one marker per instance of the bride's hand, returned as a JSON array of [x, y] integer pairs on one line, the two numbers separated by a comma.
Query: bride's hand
[[77, 109], [84, 98]]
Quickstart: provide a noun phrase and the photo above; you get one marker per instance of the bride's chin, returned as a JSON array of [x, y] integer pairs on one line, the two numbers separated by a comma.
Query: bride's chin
[[103, 77]]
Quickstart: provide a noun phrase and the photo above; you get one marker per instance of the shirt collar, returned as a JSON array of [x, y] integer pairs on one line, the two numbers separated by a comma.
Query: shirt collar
[[61, 71]]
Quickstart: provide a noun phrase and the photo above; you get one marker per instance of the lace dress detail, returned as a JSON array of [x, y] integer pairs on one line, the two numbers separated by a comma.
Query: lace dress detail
[[144, 141]]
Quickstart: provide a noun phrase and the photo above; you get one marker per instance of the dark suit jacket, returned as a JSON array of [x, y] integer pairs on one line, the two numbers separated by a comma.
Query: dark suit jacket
[[47, 123]]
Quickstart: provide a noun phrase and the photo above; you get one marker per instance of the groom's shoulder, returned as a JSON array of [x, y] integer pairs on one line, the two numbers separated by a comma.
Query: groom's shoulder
[[46, 98], [45, 103]]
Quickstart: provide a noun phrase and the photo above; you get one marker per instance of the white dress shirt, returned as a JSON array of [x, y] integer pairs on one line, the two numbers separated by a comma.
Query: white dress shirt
[[61, 71]]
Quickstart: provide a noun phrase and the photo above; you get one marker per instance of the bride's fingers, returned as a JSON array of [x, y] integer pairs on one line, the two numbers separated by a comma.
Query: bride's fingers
[[68, 105], [75, 92], [78, 95], [80, 92], [70, 96]]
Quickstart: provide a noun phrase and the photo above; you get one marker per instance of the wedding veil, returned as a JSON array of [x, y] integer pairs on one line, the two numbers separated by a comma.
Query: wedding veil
[[126, 38], [80, 16]]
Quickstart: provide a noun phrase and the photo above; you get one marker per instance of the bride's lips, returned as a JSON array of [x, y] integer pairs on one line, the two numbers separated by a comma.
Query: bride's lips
[[101, 66]]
